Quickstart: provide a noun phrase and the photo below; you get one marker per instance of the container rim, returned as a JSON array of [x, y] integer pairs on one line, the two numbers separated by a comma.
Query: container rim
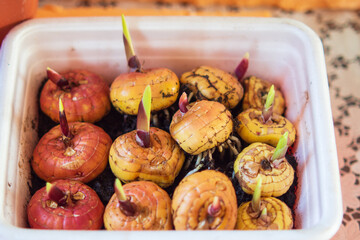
[[330, 221]]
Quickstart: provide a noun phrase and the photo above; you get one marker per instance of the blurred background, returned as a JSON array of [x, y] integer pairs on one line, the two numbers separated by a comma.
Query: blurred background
[[337, 22]]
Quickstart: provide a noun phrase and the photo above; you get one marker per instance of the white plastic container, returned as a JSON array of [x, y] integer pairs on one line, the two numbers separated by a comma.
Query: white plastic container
[[282, 51]]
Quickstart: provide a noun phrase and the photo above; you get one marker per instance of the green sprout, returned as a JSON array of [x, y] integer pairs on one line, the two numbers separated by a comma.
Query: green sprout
[[132, 59], [281, 147], [255, 202], [126, 206], [119, 190], [263, 215], [143, 119], [267, 110]]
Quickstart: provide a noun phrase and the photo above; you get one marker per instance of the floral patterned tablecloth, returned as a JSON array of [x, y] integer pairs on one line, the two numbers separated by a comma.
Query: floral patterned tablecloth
[[340, 34]]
